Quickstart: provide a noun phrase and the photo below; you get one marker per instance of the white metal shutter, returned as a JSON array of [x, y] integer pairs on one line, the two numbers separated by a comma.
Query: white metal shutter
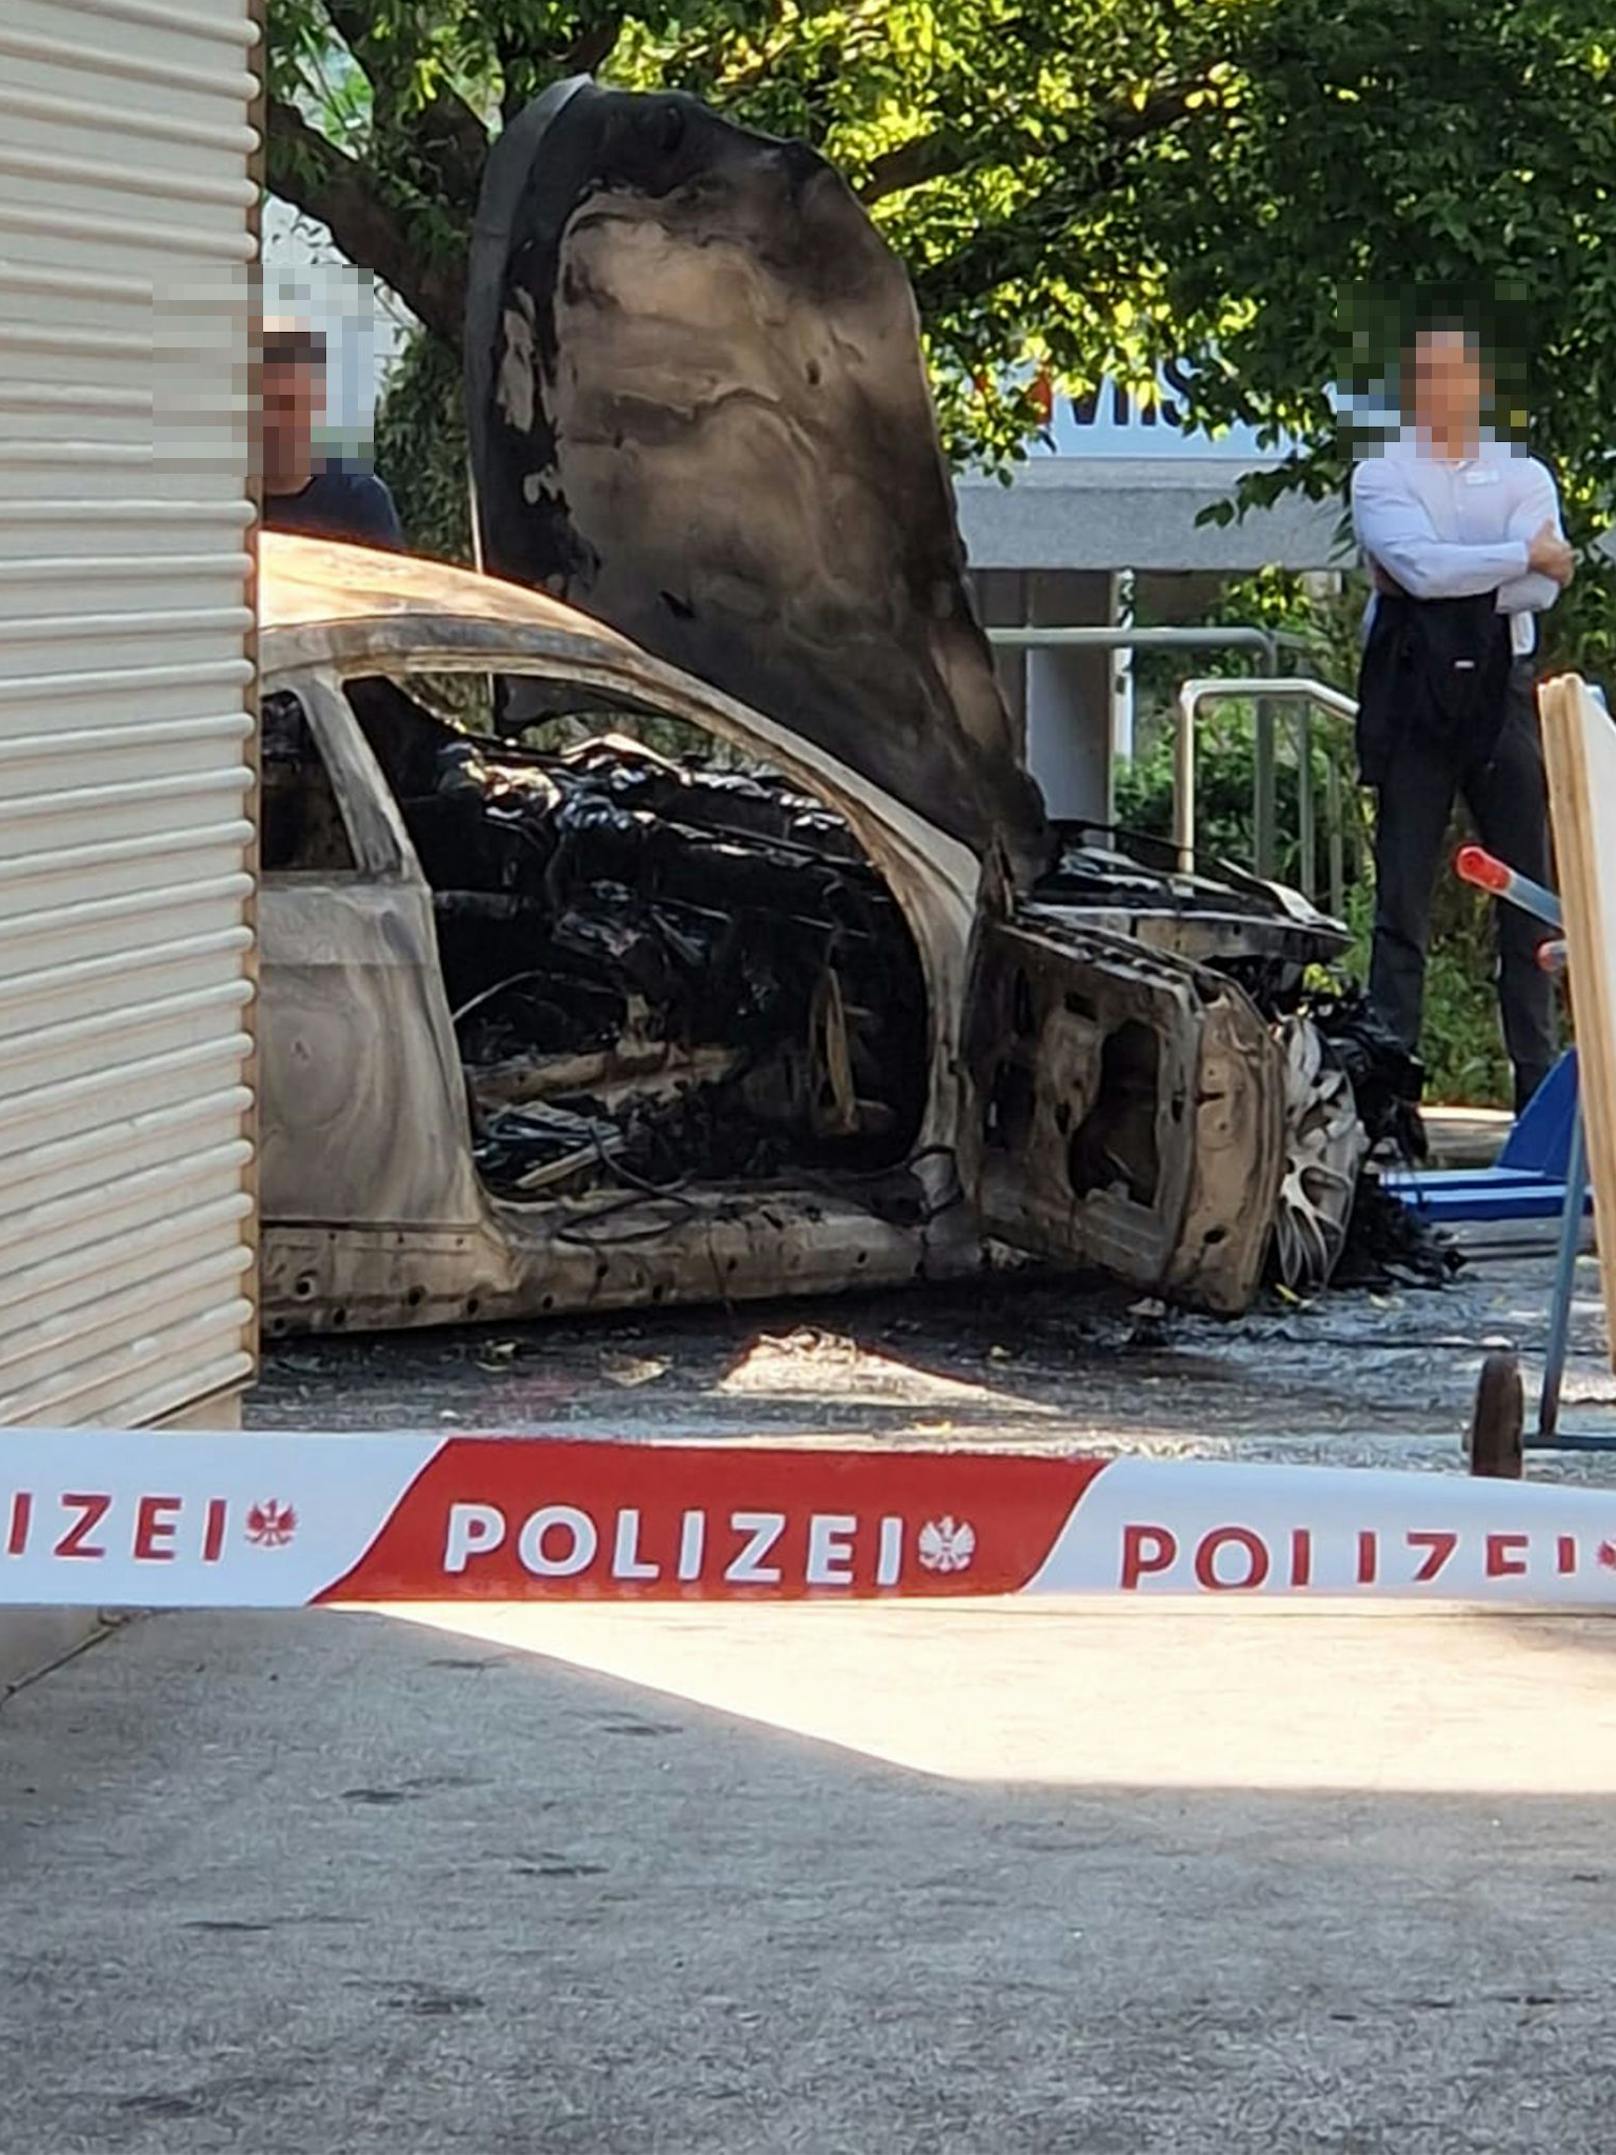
[[126, 243]]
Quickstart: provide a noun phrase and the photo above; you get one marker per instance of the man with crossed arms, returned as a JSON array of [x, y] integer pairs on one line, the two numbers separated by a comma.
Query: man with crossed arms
[[1462, 535]]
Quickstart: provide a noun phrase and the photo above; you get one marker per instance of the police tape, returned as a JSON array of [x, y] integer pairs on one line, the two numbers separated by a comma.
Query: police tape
[[159, 1519]]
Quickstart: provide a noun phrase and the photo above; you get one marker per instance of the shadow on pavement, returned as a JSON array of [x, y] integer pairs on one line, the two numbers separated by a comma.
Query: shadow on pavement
[[356, 1884]]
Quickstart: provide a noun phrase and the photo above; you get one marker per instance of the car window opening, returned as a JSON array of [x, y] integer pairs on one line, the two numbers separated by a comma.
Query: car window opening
[[301, 830], [662, 969], [1116, 1144]]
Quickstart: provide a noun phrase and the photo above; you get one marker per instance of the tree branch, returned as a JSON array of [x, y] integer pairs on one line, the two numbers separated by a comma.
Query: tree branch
[[513, 94], [450, 127], [353, 26], [316, 178], [979, 263], [592, 48], [519, 63], [912, 164], [447, 126], [939, 156]]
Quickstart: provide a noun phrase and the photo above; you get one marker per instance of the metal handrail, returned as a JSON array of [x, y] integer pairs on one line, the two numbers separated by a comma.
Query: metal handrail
[[1099, 638], [1190, 637], [1279, 688]]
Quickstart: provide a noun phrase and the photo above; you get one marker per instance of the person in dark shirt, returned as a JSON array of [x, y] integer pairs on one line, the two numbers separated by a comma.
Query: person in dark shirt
[[318, 497]]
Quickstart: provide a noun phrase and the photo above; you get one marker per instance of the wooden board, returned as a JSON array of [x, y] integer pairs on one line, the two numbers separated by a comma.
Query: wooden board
[[1579, 742]]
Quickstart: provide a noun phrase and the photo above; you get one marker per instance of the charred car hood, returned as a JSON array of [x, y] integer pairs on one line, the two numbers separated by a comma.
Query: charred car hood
[[698, 410]]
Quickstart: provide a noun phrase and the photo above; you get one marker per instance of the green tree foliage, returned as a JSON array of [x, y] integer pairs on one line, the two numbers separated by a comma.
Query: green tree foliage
[[999, 143], [1464, 149], [1083, 184], [421, 448]]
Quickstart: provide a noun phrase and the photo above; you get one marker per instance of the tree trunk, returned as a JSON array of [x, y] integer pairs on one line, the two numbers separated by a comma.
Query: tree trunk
[[315, 177]]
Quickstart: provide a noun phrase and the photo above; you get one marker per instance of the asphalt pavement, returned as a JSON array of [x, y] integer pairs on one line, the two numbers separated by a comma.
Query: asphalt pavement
[[987, 1881]]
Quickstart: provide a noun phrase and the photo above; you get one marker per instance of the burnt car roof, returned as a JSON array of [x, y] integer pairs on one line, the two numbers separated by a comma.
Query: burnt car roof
[[698, 409], [322, 602], [314, 583]]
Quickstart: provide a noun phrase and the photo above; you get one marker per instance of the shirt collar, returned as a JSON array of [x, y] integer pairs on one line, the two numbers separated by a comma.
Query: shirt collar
[[1408, 443]]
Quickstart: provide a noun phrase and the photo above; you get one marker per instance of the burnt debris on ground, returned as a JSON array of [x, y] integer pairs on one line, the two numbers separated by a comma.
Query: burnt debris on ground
[[1387, 1242], [1032, 1361]]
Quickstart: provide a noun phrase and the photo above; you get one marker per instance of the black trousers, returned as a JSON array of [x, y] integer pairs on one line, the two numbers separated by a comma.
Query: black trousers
[[1508, 800]]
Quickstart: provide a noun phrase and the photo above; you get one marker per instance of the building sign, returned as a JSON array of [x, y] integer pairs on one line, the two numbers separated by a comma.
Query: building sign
[[1116, 421]]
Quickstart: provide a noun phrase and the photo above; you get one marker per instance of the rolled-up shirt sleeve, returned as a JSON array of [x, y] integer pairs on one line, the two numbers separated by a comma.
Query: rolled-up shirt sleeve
[[1539, 505], [1393, 529]]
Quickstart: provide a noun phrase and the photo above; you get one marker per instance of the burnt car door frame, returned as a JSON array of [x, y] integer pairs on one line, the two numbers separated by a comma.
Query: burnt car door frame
[[363, 1117]]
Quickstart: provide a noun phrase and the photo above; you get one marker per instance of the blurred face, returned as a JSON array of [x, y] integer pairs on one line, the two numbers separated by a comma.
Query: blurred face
[[1450, 385], [292, 399]]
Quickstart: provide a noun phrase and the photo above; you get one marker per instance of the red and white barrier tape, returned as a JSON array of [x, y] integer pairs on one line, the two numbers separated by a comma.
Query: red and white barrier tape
[[160, 1519]]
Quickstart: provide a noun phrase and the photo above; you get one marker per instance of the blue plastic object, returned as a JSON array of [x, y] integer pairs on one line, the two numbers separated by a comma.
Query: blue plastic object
[[1540, 1142], [1565, 1287], [1529, 1181]]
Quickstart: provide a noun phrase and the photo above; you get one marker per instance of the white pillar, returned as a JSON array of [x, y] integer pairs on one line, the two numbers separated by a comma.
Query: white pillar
[[1122, 707], [1068, 697]]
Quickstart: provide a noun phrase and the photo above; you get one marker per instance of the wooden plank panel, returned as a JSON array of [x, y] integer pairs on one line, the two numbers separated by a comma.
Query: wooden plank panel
[[1579, 740]]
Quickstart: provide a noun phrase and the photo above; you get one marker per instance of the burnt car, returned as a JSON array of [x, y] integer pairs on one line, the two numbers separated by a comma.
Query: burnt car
[[667, 916], [707, 1013]]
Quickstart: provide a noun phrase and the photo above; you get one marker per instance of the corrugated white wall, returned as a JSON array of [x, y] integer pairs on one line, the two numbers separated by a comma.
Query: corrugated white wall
[[126, 243]]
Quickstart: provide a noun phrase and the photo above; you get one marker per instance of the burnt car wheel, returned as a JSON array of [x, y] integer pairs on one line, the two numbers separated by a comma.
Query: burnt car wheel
[[1326, 1145]]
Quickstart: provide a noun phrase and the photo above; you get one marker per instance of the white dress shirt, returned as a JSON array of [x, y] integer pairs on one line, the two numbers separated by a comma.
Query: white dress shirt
[[1448, 530]]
